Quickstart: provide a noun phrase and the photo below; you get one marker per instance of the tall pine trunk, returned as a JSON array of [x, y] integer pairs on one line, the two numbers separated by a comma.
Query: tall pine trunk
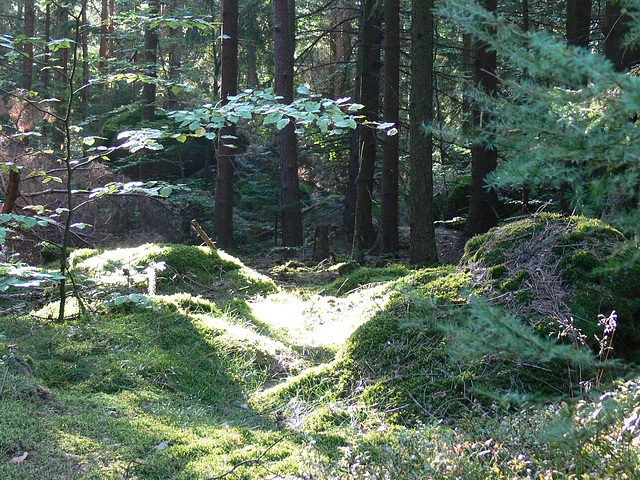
[[226, 142], [421, 212], [150, 60], [484, 158], [363, 236], [29, 31], [284, 44], [175, 59], [578, 22], [616, 29], [391, 149]]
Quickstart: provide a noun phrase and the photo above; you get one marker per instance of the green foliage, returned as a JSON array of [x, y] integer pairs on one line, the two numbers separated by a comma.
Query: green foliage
[[309, 110], [11, 222], [563, 119], [24, 276]]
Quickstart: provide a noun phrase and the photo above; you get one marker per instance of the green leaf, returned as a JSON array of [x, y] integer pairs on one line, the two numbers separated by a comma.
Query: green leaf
[[282, 123], [176, 89], [272, 117], [165, 191], [30, 222], [302, 90]]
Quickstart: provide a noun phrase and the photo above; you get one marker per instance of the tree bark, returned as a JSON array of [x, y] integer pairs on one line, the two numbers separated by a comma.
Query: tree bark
[[223, 213], [421, 212], [389, 241], [351, 188], [578, 22], [46, 78], [363, 236], [85, 65], [616, 28], [484, 158], [29, 31], [284, 44], [150, 60], [578, 30], [11, 193], [104, 30], [175, 60]]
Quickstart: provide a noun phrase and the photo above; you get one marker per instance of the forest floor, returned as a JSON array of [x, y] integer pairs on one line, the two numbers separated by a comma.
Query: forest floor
[[292, 370]]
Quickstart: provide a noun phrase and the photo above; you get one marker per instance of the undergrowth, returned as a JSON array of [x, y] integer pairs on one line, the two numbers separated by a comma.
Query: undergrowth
[[193, 381]]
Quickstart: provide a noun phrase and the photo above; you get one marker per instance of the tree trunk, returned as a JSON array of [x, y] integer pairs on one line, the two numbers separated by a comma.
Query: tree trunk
[[321, 249], [421, 212], [229, 86], [175, 60], [11, 193], [484, 203], [363, 236], [390, 154], [29, 31], [578, 22], [104, 30], [351, 188], [284, 44], [62, 74], [46, 78], [85, 65], [578, 31], [150, 60], [616, 28]]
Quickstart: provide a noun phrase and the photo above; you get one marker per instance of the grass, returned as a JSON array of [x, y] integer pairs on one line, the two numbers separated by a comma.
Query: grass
[[219, 374]]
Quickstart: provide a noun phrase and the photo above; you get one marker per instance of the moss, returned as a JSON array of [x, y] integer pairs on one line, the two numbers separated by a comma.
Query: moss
[[599, 270], [514, 282], [498, 271], [360, 276], [184, 259], [325, 417]]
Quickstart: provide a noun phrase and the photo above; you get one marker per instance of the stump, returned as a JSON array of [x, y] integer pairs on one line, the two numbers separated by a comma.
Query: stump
[[321, 243]]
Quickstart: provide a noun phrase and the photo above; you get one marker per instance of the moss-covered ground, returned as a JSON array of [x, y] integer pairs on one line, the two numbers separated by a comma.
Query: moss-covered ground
[[187, 364]]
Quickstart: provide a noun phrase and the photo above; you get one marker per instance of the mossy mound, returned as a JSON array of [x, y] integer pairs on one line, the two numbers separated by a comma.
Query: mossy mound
[[210, 273], [562, 274], [400, 360]]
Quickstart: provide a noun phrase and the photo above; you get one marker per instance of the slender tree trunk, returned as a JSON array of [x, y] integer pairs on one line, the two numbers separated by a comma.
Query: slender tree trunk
[[421, 212], [226, 151], [85, 65], [483, 206], [29, 31], [104, 31], [390, 154], [364, 236], [62, 73], [284, 43], [11, 193], [150, 60], [351, 188], [175, 60], [252, 67], [46, 78]]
